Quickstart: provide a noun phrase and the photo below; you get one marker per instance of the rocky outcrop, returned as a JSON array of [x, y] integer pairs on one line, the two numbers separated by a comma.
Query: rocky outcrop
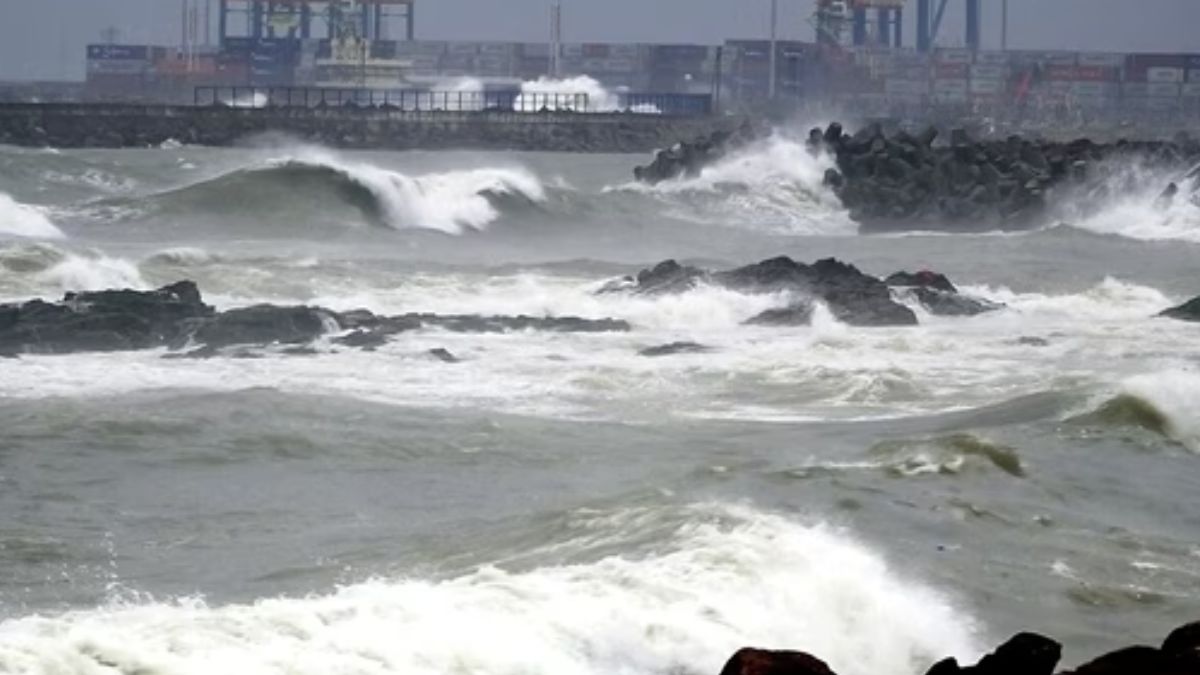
[[901, 181], [177, 318], [1024, 654], [851, 296], [937, 294], [1188, 311], [674, 348]]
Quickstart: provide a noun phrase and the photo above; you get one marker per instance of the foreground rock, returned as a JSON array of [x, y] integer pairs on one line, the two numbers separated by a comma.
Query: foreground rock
[[176, 317], [1188, 311], [901, 181], [1024, 654], [851, 296]]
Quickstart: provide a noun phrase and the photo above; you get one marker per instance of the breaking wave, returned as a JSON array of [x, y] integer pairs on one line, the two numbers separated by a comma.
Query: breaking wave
[[450, 202], [1129, 203], [774, 185], [718, 578], [21, 220], [1161, 403]]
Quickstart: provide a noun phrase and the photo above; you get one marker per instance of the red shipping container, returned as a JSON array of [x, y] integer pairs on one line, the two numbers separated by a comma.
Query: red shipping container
[[951, 71], [1097, 74]]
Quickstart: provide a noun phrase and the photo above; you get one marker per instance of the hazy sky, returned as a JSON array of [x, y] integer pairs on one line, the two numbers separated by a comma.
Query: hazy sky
[[46, 38]]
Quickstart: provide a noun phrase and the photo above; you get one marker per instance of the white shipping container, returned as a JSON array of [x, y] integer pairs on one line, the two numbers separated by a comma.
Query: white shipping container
[[1162, 90], [572, 51], [1164, 75], [1102, 60], [619, 65], [989, 72], [506, 49], [954, 56], [117, 67], [1060, 58], [950, 86], [625, 51], [988, 86], [991, 58]]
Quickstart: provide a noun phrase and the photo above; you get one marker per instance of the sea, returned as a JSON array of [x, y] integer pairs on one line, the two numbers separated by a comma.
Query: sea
[[557, 503]]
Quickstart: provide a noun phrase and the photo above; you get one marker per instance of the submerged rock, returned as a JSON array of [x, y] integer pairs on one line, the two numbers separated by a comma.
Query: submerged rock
[[675, 348], [938, 295], [763, 662], [175, 316], [852, 297], [443, 355], [1188, 311]]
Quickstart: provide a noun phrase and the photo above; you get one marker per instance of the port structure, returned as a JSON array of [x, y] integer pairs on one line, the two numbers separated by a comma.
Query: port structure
[[300, 19], [837, 20]]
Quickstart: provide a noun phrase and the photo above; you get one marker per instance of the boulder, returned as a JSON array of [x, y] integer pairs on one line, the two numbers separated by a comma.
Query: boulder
[[1188, 311], [443, 355], [264, 325], [938, 295], [763, 662], [675, 348], [1025, 653], [922, 279], [1139, 660], [795, 314]]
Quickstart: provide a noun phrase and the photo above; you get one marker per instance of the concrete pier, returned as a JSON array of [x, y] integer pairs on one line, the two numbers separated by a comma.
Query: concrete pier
[[120, 126]]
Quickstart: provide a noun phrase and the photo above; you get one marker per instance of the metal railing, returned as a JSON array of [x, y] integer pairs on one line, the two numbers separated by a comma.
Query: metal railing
[[413, 100]]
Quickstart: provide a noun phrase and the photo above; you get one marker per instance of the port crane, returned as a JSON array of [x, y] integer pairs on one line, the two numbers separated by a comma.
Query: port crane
[[837, 20]]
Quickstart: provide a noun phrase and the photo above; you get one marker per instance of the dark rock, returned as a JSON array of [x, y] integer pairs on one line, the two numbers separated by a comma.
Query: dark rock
[[1025, 653], [675, 348], [852, 297], [363, 339], [1183, 646], [1028, 341], [795, 314], [945, 667], [1139, 660], [265, 324], [922, 279], [763, 662], [1188, 311], [443, 355]]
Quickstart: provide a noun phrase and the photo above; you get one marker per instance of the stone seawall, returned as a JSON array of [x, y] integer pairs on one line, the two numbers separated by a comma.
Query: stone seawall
[[119, 126]]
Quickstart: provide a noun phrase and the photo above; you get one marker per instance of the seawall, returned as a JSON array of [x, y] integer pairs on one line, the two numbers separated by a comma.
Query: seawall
[[120, 126]]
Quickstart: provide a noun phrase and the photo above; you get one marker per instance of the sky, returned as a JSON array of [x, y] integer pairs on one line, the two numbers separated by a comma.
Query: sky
[[45, 39]]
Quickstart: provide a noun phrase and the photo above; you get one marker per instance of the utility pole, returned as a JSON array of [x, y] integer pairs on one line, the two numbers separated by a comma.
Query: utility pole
[[556, 40], [1004, 25], [771, 59]]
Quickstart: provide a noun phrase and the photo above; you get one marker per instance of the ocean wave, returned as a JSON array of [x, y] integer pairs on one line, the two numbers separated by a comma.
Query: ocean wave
[[1127, 203], [720, 578], [1162, 403], [775, 185], [28, 270], [27, 222], [312, 181]]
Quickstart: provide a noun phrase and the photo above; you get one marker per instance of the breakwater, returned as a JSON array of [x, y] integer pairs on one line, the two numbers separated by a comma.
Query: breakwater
[[118, 126]]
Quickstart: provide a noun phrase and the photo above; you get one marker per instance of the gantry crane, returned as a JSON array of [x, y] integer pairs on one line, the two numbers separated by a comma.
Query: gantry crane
[[835, 19]]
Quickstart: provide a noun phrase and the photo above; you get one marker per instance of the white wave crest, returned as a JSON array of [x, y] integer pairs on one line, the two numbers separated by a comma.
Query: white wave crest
[[21, 220], [1176, 394], [729, 578], [1129, 206], [449, 202], [775, 185]]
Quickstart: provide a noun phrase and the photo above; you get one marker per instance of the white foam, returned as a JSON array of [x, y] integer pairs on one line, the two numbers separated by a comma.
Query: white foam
[[21, 220], [599, 99], [449, 202], [775, 185], [728, 577], [1132, 210]]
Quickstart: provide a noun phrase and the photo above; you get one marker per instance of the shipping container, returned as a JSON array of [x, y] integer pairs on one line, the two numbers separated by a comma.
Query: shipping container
[[1143, 62], [1193, 75], [949, 86], [117, 67], [950, 98], [118, 53], [989, 72], [625, 51], [906, 87], [1162, 90], [679, 53], [1097, 74], [571, 51], [595, 51], [988, 86], [462, 49], [1060, 73], [953, 56], [1135, 89], [1097, 60], [425, 48], [951, 71], [502, 49], [1190, 89], [1109, 89], [457, 62], [991, 58], [1165, 75], [537, 65], [1162, 103]]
